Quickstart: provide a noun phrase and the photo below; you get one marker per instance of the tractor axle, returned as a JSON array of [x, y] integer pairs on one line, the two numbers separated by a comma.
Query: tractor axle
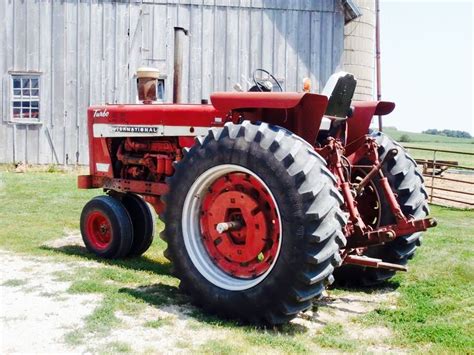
[[228, 226]]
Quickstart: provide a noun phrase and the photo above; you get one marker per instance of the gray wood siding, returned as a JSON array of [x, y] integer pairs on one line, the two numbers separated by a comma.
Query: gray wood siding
[[87, 52]]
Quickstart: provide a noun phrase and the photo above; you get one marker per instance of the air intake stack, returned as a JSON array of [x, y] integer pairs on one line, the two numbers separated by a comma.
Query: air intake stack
[[147, 84]]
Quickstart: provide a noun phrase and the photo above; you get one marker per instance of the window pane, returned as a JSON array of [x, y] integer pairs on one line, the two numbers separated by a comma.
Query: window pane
[[26, 94]]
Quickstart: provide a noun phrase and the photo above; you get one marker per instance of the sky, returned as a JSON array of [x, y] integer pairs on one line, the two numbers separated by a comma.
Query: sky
[[427, 64]]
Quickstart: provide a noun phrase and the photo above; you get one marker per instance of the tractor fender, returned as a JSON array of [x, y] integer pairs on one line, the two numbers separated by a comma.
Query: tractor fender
[[301, 113], [227, 101], [358, 124]]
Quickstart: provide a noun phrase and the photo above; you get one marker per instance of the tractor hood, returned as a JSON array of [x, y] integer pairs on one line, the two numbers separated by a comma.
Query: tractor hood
[[226, 101]]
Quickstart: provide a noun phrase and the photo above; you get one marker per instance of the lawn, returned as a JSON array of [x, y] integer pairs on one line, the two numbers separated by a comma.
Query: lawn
[[430, 141], [426, 138], [433, 311]]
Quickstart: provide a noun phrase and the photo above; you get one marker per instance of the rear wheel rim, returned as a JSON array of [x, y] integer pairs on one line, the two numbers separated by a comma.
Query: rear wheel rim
[[368, 202], [239, 259], [99, 230]]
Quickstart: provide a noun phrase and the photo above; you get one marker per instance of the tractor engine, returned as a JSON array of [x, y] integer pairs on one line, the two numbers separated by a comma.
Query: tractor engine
[[146, 159]]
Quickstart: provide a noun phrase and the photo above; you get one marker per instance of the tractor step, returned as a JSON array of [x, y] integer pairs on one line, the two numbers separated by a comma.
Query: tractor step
[[372, 262]]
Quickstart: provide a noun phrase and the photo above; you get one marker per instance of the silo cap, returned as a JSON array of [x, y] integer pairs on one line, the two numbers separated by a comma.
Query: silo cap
[[147, 72]]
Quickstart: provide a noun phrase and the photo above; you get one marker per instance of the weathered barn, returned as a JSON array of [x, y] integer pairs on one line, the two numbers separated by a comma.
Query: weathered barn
[[58, 57]]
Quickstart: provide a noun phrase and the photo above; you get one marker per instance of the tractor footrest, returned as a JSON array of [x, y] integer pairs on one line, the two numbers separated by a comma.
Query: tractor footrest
[[372, 262]]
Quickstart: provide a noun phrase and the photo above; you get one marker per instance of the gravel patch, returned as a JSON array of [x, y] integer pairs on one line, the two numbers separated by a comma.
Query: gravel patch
[[37, 313], [36, 310]]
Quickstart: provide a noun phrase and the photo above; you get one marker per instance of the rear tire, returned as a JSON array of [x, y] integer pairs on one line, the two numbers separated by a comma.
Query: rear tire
[[143, 223], [407, 184], [304, 209], [106, 227]]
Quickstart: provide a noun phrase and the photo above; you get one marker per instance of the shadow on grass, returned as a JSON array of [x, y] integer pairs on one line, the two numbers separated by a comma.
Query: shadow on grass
[[159, 295], [141, 263], [381, 288], [344, 302], [181, 306], [156, 294]]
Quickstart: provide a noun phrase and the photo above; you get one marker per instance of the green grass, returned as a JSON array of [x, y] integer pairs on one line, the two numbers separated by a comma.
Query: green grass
[[332, 336], [14, 283], [434, 310], [427, 138], [436, 304], [74, 337], [158, 323], [430, 141], [116, 347]]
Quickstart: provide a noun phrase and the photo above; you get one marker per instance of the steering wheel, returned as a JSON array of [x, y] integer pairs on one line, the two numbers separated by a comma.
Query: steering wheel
[[262, 84]]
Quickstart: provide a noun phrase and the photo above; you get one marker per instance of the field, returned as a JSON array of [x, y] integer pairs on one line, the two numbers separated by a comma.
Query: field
[[51, 285], [436, 142]]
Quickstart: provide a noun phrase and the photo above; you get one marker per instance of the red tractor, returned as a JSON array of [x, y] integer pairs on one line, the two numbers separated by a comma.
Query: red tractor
[[264, 195]]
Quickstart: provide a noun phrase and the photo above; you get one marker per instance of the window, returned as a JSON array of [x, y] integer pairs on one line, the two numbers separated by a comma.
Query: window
[[25, 102], [160, 90]]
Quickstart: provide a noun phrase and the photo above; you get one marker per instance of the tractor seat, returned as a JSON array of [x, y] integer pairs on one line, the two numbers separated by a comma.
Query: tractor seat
[[339, 89]]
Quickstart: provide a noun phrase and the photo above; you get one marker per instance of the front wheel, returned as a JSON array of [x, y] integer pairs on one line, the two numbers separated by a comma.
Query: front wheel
[[106, 227], [253, 223], [143, 223]]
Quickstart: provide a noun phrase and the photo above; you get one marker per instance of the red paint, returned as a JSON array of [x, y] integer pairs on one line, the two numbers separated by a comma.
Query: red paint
[[150, 159], [186, 142], [99, 230], [249, 251], [300, 113], [142, 164], [358, 124], [84, 182], [139, 187], [227, 101]]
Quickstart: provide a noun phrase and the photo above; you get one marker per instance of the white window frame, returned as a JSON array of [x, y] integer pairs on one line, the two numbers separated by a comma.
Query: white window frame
[[17, 95]]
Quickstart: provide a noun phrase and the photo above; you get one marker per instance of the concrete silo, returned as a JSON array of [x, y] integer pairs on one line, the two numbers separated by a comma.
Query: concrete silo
[[359, 50]]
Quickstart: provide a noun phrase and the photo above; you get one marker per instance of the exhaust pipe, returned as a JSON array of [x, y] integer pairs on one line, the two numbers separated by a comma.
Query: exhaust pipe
[[179, 33]]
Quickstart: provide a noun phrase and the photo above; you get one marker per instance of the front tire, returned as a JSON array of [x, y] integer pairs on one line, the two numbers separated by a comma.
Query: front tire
[[143, 223], [279, 191], [106, 227]]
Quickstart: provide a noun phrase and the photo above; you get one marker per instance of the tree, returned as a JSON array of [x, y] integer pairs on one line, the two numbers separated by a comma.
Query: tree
[[405, 138], [448, 133]]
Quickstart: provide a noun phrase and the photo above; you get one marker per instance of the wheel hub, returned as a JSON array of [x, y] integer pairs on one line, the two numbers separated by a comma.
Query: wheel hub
[[99, 230], [239, 224], [368, 201]]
